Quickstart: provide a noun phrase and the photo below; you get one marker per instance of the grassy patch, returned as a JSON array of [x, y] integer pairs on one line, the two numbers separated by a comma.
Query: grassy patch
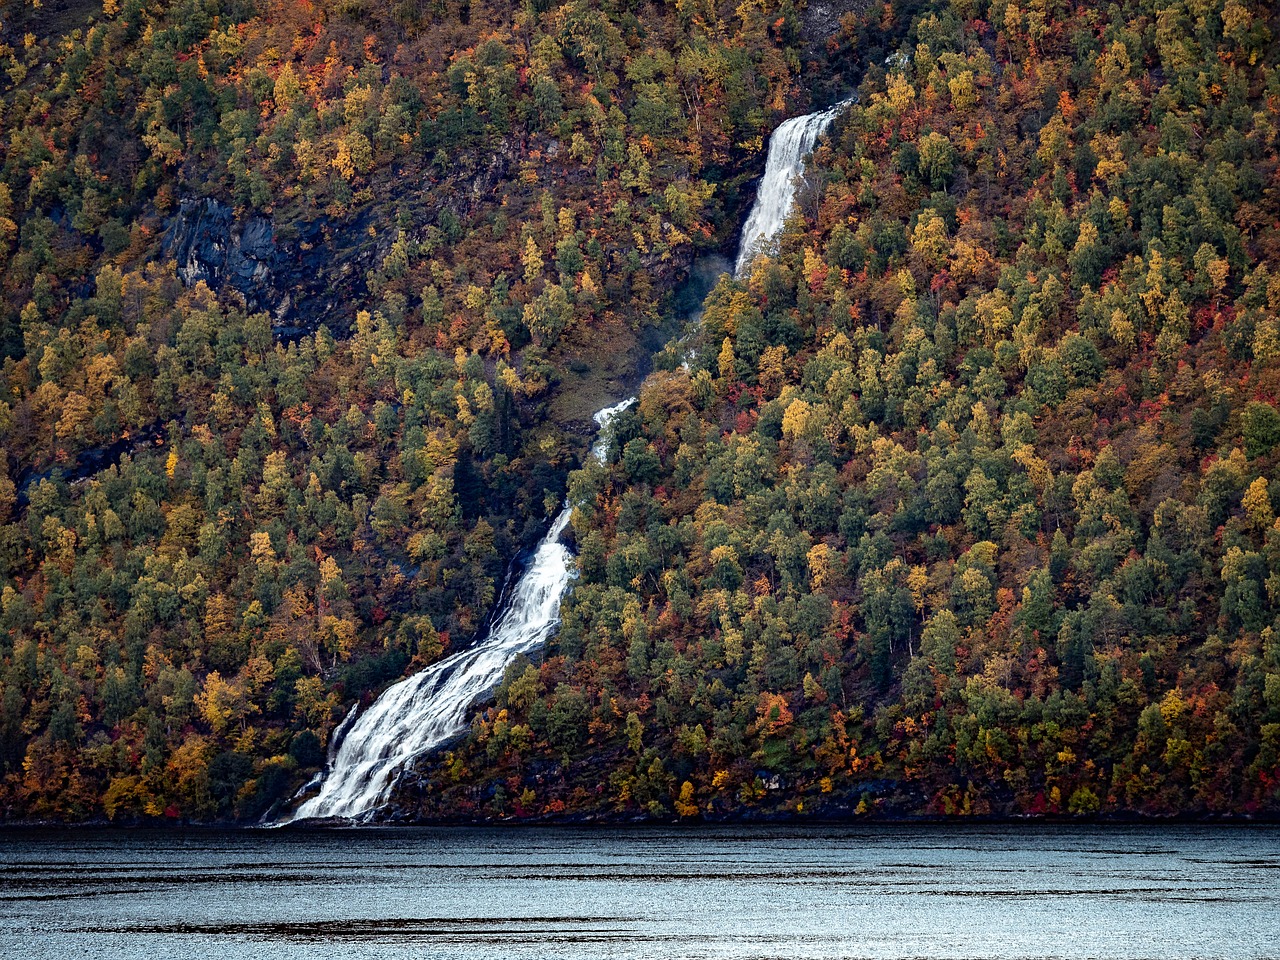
[[54, 18], [601, 372]]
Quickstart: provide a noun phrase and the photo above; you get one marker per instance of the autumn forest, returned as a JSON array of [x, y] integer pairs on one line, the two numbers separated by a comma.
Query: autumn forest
[[961, 501]]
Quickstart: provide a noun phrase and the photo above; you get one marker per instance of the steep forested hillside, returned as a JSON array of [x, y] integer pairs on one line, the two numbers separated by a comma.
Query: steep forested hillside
[[968, 503], [223, 526]]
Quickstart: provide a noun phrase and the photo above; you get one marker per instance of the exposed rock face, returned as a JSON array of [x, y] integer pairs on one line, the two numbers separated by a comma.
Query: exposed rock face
[[302, 282], [210, 245], [821, 20], [311, 272], [836, 62], [305, 273]]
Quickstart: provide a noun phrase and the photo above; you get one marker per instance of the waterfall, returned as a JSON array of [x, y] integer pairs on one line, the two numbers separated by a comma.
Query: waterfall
[[427, 709], [790, 144]]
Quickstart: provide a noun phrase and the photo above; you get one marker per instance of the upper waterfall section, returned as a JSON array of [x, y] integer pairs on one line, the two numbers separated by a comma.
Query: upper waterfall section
[[789, 145]]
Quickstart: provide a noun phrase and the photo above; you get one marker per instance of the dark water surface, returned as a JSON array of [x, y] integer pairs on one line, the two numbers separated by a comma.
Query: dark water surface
[[912, 891]]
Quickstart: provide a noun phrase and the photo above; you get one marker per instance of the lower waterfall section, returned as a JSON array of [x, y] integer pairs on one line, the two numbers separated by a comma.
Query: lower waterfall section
[[425, 710]]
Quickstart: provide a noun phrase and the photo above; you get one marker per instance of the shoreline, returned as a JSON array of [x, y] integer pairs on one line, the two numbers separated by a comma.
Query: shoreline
[[691, 824]]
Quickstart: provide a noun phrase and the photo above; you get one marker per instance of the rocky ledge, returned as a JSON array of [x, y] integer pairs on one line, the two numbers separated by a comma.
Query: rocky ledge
[[310, 279]]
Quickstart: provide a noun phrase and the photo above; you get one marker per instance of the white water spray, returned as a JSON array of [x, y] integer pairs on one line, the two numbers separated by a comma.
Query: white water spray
[[420, 713], [790, 144]]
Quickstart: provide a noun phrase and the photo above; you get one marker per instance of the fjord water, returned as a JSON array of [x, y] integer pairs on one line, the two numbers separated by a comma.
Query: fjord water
[[426, 710], [430, 707], [937, 891]]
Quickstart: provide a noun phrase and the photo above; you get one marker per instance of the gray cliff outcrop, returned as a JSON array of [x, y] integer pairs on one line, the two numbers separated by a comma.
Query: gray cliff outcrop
[[309, 279], [305, 273]]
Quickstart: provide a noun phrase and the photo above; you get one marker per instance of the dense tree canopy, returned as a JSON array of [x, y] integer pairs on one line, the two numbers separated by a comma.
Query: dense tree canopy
[[968, 503]]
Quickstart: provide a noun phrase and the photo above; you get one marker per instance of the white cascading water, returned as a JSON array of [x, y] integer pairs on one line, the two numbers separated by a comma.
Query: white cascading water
[[790, 144], [421, 712]]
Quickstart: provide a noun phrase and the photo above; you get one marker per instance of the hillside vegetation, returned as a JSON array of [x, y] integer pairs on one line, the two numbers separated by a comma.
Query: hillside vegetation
[[215, 539], [968, 504]]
